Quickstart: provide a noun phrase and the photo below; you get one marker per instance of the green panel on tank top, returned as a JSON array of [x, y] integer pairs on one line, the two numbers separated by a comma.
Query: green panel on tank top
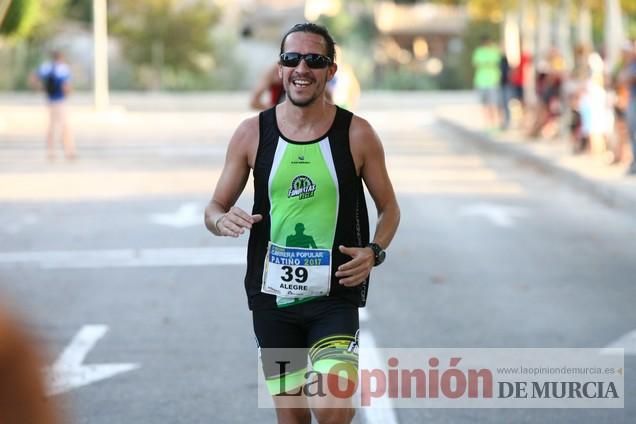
[[304, 199]]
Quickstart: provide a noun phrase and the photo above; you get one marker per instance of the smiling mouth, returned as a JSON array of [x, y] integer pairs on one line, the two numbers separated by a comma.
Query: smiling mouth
[[301, 82]]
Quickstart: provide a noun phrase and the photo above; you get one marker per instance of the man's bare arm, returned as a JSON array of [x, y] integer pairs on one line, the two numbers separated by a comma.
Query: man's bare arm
[[376, 177], [369, 156], [222, 218]]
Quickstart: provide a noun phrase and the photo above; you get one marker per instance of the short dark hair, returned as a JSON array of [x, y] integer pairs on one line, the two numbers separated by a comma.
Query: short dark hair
[[313, 29]]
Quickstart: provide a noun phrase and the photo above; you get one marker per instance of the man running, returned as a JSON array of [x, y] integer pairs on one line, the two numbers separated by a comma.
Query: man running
[[308, 158]]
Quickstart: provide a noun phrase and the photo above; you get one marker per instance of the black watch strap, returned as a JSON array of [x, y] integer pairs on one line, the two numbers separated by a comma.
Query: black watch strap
[[378, 253]]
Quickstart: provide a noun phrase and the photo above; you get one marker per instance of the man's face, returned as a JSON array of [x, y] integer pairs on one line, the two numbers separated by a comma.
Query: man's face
[[303, 84]]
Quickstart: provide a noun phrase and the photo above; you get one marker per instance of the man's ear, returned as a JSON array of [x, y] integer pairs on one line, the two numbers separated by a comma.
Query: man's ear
[[280, 71], [332, 71]]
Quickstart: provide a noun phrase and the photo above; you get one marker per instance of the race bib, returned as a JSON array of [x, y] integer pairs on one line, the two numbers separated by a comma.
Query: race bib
[[296, 272]]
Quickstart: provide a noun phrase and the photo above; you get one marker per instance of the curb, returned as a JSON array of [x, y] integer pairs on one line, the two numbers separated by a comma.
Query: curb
[[602, 191]]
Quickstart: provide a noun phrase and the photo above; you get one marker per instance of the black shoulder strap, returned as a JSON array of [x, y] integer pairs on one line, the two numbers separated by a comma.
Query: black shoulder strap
[[342, 122], [268, 129], [339, 143]]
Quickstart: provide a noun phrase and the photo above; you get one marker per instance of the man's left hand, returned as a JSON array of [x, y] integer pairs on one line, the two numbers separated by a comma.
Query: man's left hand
[[358, 268]]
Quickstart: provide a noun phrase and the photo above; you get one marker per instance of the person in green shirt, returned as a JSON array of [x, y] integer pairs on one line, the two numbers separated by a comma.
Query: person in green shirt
[[486, 79]]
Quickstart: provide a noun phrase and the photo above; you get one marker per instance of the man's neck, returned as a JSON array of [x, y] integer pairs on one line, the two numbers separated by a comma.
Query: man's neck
[[306, 116], [305, 123]]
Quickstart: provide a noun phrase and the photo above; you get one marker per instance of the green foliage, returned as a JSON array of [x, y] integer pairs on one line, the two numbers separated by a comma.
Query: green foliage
[[354, 30], [80, 10], [631, 29], [20, 18], [453, 76], [347, 29], [403, 78], [165, 34]]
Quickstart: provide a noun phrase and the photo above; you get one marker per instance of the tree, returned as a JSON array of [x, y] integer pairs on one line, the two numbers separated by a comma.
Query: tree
[[19, 18], [81, 10], [487, 9], [166, 33], [4, 5]]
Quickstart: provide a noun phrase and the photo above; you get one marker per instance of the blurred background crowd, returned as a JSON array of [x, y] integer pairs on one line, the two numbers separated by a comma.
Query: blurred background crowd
[[590, 101], [548, 68], [226, 44]]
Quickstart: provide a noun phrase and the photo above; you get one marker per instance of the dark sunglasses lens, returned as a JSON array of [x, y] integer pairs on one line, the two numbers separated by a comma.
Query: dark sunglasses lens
[[290, 59], [316, 61]]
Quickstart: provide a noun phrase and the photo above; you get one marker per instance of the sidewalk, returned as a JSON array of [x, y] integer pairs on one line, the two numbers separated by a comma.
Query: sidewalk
[[593, 175]]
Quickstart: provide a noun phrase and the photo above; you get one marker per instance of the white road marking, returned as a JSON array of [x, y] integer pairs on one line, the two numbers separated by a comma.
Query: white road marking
[[382, 411], [626, 342], [16, 226], [68, 372], [499, 215], [188, 215], [125, 258]]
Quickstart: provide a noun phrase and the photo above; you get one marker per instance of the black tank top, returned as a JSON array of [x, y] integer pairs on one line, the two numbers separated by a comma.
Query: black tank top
[[351, 218]]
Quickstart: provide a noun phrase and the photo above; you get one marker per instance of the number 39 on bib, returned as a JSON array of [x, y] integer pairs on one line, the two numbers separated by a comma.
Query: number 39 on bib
[[296, 271]]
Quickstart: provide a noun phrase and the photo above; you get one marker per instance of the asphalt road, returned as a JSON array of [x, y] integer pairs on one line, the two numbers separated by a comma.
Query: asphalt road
[[489, 254]]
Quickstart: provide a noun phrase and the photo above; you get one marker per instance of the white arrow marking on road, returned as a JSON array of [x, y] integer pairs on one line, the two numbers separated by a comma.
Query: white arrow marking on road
[[188, 215], [68, 372], [499, 215], [626, 342]]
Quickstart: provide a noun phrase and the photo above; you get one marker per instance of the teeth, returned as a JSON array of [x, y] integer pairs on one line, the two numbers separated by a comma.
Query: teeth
[[301, 82]]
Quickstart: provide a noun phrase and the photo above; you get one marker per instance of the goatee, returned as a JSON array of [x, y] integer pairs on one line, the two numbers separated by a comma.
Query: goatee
[[303, 103]]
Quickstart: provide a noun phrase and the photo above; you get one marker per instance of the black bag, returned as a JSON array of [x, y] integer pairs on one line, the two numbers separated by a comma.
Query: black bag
[[51, 83]]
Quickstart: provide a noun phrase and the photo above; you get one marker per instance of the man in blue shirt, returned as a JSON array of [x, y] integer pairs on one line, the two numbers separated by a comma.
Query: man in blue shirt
[[54, 77]]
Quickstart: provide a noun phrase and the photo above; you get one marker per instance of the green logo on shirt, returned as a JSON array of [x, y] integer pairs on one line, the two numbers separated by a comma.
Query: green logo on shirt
[[302, 187]]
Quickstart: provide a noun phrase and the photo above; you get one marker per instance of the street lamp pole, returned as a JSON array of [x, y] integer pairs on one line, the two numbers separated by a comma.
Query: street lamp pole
[[100, 55], [614, 34]]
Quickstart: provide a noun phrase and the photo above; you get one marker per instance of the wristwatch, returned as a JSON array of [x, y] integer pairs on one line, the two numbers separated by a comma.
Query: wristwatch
[[378, 252]]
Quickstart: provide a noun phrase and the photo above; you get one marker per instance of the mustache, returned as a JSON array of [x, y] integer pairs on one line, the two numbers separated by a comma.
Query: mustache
[[298, 75]]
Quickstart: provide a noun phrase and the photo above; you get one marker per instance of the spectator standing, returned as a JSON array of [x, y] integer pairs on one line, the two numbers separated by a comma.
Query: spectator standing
[[593, 105], [54, 77], [518, 79], [548, 86], [485, 60], [630, 80], [504, 91], [620, 145]]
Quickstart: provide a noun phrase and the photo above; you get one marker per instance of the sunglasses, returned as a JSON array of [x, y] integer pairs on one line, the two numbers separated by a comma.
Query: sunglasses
[[313, 60]]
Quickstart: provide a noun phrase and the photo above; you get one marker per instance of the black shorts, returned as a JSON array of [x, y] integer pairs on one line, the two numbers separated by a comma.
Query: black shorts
[[325, 329]]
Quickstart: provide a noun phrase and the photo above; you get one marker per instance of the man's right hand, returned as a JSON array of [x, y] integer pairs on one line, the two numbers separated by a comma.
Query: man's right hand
[[234, 222]]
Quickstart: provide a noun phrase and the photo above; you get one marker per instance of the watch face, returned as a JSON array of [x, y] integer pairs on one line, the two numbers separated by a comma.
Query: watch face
[[380, 257], [378, 253]]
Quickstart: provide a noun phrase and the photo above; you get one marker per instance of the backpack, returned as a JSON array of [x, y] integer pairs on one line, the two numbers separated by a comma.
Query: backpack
[[52, 84]]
